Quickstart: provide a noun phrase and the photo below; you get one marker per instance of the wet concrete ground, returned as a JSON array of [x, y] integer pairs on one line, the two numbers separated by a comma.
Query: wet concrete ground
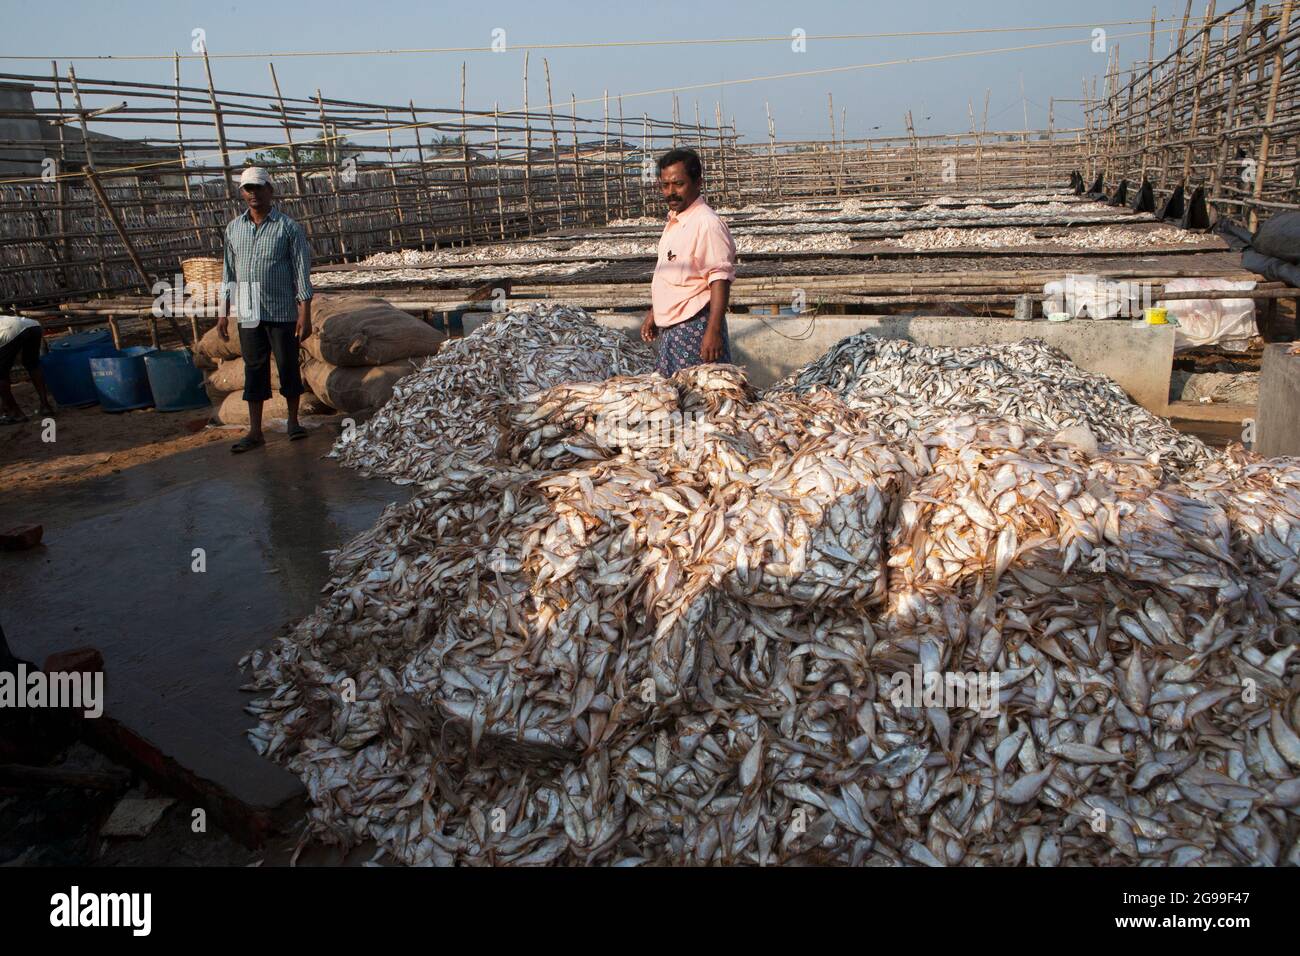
[[115, 571]]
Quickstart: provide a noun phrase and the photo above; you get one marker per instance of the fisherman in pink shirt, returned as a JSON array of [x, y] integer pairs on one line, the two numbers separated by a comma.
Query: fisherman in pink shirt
[[693, 276]]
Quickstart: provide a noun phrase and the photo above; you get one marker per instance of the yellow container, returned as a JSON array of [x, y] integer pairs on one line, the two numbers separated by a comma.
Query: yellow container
[[1156, 316]]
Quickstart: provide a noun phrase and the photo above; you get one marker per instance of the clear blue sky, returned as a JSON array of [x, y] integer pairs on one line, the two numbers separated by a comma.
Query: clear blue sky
[[876, 99]]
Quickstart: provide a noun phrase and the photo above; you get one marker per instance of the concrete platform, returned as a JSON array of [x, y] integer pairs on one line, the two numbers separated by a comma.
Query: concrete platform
[[1139, 358], [114, 571], [1213, 423]]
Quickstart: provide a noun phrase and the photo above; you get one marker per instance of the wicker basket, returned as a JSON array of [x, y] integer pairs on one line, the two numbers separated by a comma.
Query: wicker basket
[[202, 278]]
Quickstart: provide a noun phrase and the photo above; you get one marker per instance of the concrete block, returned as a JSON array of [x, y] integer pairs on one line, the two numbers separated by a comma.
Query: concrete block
[[1138, 358], [1277, 430]]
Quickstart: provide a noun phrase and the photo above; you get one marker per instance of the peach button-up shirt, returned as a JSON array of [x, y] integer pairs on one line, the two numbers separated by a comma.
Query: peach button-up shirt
[[695, 250]]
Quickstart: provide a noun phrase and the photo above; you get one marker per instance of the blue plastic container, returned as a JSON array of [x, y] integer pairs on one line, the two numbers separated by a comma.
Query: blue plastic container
[[121, 380], [175, 382], [67, 373], [95, 341]]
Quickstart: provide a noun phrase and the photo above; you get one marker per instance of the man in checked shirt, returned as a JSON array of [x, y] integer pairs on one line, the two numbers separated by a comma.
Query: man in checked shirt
[[268, 270]]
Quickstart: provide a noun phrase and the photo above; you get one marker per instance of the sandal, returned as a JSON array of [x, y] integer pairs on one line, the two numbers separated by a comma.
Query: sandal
[[296, 432], [246, 444]]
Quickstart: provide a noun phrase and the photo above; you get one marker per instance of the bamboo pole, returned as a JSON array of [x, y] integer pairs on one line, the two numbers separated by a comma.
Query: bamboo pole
[[59, 195], [300, 189], [645, 158], [464, 152], [844, 122], [1270, 115], [916, 157], [1197, 88], [622, 163], [980, 153], [330, 148], [392, 175], [220, 127], [604, 154], [577, 169], [771, 150], [555, 143], [424, 179], [528, 151], [180, 154], [496, 162], [1230, 110], [1176, 80], [722, 154]]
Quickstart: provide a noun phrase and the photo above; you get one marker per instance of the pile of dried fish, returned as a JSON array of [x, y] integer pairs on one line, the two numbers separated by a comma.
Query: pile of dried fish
[[1101, 237], [1261, 499], [821, 242], [448, 412], [909, 388], [467, 275], [637, 221], [388, 265], [673, 622]]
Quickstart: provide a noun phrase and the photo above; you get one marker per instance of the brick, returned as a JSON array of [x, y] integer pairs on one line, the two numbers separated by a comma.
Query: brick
[[78, 659], [21, 537]]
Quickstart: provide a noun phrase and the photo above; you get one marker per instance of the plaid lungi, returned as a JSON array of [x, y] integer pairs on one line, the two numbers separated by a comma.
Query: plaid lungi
[[679, 345]]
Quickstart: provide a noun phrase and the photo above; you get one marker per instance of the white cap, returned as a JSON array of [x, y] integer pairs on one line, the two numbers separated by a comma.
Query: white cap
[[255, 176]]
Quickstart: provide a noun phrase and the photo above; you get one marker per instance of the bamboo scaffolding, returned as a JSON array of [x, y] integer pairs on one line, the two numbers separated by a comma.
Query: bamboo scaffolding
[[1227, 98], [170, 186], [1225, 101]]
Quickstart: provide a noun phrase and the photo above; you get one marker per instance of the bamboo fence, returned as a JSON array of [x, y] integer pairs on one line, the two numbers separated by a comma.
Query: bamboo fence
[[117, 214], [906, 167], [1220, 112]]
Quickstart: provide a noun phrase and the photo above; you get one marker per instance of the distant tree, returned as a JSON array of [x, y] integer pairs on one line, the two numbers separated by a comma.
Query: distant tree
[[307, 155]]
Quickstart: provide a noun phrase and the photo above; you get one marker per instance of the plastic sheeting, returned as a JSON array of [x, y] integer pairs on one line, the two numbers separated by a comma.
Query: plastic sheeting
[[1227, 323], [1093, 297]]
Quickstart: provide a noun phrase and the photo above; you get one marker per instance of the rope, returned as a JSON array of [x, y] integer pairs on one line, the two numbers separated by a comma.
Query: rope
[[605, 44]]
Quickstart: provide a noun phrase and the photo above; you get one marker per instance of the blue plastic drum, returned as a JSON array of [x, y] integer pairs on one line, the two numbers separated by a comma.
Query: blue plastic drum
[[121, 380], [95, 341], [67, 373], [176, 384]]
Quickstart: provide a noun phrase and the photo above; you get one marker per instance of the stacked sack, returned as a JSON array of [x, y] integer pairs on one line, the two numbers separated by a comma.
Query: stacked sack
[[359, 347]]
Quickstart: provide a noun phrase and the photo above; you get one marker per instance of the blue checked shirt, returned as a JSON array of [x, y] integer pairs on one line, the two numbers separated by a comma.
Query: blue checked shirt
[[267, 270]]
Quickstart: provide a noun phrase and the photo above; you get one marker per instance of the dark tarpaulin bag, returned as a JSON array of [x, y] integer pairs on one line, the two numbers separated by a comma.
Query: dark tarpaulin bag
[[1279, 237], [1271, 268]]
